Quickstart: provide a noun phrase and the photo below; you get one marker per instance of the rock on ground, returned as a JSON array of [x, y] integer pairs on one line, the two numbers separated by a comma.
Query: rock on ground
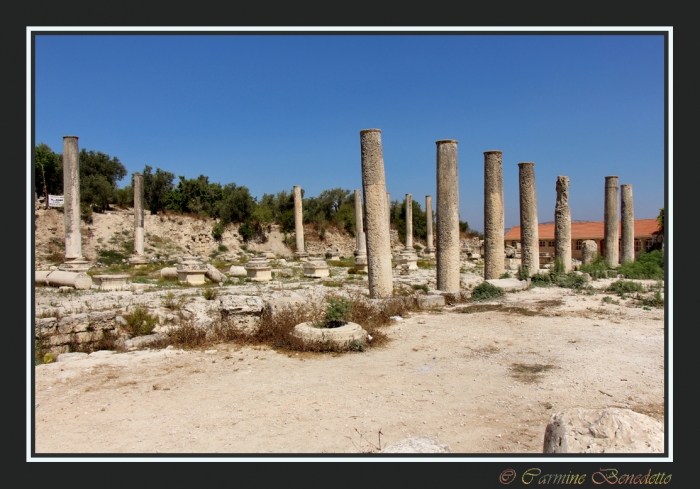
[[417, 444]]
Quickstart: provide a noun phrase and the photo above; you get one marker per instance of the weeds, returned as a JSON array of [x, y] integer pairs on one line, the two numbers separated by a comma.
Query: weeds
[[654, 301], [486, 291], [506, 275], [609, 300], [338, 311], [173, 302], [622, 287], [210, 293], [647, 266], [140, 322], [423, 287], [523, 273]]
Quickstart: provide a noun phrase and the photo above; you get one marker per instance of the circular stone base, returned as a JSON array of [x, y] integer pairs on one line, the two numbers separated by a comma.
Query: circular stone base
[[340, 336]]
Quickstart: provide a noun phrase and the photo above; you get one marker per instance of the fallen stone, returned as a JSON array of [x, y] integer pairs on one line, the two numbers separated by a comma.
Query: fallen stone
[[508, 284], [417, 444], [236, 271], [144, 341], [609, 430], [430, 301]]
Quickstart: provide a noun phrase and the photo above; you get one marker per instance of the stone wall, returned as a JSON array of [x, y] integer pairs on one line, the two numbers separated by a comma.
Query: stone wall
[[86, 330]]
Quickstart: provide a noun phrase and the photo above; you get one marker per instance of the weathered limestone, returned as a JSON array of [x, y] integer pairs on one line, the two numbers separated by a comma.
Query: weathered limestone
[[111, 282], [494, 246], [61, 278], [429, 250], [589, 252], [377, 215], [138, 259], [259, 269], [408, 255], [447, 209], [191, 271], [562, 224], [627, 211], [341, 335], [529, 235], [236, 271], [316, 267], [214, 275], [608, 430], [388, 210], [74, 260], [168, 272], [241, 311], [361, 251], [300, 253], [417, 444], [333, 254], [611, 229]]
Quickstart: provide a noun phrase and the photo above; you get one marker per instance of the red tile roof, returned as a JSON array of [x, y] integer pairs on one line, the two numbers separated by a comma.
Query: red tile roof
[[588, 230]]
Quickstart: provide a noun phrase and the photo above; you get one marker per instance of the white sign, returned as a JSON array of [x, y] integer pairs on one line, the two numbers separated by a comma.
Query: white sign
[[55, 200]]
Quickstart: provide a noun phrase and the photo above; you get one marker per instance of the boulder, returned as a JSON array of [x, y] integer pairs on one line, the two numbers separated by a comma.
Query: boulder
[[608, 430], [236, 271], [241, 311]]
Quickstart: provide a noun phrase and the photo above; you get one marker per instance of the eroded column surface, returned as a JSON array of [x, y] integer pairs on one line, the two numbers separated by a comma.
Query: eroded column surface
[[300, 253], [376, 215], [562, 224], [359, 227], [494, 245], [429, 248], [74, 260], [138, 259], [589, 252], [447, 209], [627, 211], [529, 235], [388, 212], [612, 225], [361, 251], [408, 255]]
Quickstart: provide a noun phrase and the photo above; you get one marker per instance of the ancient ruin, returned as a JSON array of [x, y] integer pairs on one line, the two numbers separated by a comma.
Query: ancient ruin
[[408, 255], [191, 270], [429, 250], [627, 234], [562, 224], [259, 269], [360, 237], [138, 259], [300, 253], [316, 267], [74, 259], [529, 237], [447, 209], [589, 252], [377, 214], [494, 247], [111, 282], [611, 235]]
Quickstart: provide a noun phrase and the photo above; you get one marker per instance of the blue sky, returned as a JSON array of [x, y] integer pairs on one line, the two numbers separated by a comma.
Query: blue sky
[[273, 111]]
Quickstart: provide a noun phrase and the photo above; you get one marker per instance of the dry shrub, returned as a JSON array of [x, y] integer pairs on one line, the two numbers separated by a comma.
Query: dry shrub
[[188, 334]]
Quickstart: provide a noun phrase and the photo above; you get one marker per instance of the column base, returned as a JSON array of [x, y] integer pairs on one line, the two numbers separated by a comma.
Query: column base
[[79, 264], [138, 261], [407, 257], [301, 256], [428, 252]]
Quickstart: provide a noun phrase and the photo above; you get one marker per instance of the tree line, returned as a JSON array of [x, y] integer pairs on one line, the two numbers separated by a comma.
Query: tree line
[[229, 203]]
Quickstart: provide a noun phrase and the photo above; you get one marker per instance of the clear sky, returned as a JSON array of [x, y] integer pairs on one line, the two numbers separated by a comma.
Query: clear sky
[[273, 111]]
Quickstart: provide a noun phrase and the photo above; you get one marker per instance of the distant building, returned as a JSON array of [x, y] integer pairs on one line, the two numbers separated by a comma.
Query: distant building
[[645, 236]]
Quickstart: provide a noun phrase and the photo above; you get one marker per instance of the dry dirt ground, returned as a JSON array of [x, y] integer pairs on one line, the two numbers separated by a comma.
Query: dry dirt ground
[[482, 382]]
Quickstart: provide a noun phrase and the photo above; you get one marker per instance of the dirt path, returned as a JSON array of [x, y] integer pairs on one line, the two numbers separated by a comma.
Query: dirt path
[[482, 382]]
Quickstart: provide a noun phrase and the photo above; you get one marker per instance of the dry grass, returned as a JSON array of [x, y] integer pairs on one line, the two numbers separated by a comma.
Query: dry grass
[[496, 307], [529, 373]]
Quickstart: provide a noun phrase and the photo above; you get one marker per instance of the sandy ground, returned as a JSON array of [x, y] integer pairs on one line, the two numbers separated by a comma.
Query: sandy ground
[[469, 380]]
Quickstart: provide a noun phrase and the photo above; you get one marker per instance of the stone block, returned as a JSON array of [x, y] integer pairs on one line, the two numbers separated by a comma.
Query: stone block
[[60, 339], [73, 323], [102, 320], [608, 430], [45, 326], [509, 284], [236, 271], [430, 301], [110, 282], [340, 336], [144, 341]]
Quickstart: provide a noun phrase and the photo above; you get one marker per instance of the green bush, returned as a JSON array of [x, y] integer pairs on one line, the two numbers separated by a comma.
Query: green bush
[[140, 322], [217, 232], [338, 312], [541, 280], [647, 266], [622, 287], [423, 287], [523, 273], [570, 280], [506, 275], [210, 293], [486, 291], [597, 269]]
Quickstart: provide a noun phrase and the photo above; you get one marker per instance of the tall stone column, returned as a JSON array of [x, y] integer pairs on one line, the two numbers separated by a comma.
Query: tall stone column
[[74, 260], [612, 224], [562, 224], [529, 234], [300, 253], [627, 210], [361, 251], [138, 259], [447, 209], [429, 250], [388, 213], [376, 214], [408, 255], [494, 247]]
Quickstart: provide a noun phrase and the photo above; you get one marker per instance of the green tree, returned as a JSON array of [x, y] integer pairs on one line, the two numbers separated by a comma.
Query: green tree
[[420, 221], [98, 178], [195, 195], [156, 187], [236, 204], [48, 171]]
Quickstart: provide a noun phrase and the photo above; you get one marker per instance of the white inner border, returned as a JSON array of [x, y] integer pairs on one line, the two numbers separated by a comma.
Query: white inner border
[[667, 239]]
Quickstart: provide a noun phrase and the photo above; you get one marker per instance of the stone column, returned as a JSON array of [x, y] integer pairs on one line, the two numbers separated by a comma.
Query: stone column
[[138, 259], [376, 214], [494, 247], [408, 255], [74, 260], [447, 209], [627, 211], [589, 252], [562, 224], [612, 225], [429, 248], [529, 234], [388, 212], [359, 228], [300, 253]]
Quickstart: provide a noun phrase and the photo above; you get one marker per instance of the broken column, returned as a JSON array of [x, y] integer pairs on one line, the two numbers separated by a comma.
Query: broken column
[[494, 245], [589, 252], [447, 209], [377, 215], [429, 250], [361, 251], [138, 259], [74, 261], [627, 211], [562, 224], [611, 229], [529, 235], [408, 255], [300, 253], [388, 213]]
